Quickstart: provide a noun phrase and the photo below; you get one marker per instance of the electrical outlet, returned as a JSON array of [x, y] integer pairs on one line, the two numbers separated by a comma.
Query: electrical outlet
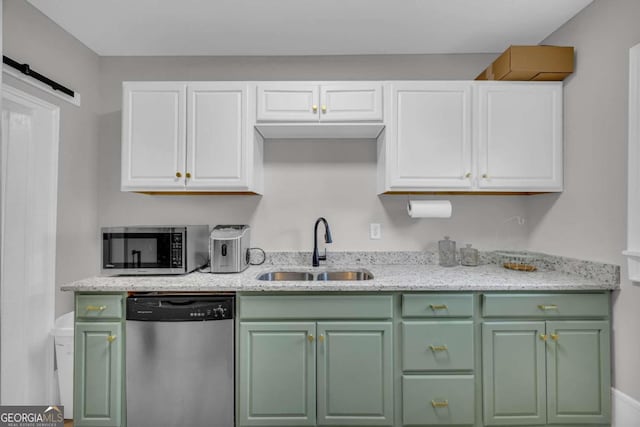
[[375, 231]]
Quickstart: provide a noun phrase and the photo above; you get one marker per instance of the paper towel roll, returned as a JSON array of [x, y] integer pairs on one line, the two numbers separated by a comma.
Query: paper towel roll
[[429, 208]]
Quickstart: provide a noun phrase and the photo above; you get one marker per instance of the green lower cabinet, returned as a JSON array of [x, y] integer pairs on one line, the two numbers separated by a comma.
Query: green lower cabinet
[[355, 380], [539, 373], [277, 374], [282, 385], [513, 374], [578, 377], [98, 374], [430, 400]]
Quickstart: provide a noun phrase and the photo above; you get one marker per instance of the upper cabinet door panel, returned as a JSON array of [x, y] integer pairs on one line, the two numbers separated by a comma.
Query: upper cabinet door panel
[[430, 135], [153, 135], [520, 136], [288, 102], [351, 102], [216, 142]]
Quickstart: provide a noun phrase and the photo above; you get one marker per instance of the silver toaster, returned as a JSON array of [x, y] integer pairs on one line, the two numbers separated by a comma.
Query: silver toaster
[[229, 248]]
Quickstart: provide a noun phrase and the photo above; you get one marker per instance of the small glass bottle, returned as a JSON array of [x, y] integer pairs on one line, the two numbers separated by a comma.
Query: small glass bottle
[[447, 252], [469, 256]]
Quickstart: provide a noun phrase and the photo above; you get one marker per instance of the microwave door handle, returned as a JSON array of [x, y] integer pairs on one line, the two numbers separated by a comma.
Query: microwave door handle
[[135, 253]]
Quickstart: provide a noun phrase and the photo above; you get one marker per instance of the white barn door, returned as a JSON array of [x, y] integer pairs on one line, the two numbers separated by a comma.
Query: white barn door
[[30, 129]]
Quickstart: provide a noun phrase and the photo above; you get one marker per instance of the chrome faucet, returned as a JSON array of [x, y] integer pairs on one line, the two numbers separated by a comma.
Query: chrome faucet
[[327, 238]]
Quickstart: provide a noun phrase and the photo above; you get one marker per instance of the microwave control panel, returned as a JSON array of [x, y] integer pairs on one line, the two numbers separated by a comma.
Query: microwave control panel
[[176, 250]]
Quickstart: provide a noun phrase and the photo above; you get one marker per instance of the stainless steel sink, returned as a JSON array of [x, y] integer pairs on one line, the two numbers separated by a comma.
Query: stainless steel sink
[[345, 275], [286, 275], [323, 276]]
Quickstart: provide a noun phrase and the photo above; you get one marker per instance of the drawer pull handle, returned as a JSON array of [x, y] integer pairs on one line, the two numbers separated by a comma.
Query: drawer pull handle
[[548, 307], [96, 307], [435, 307], [435, 348], [111, 338], [555, 337], [440, 403]]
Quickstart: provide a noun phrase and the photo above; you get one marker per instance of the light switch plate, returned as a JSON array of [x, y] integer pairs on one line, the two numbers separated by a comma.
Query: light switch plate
[[375, 231]]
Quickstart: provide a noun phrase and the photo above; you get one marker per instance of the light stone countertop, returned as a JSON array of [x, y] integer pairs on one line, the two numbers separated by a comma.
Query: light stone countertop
[[387, 277]]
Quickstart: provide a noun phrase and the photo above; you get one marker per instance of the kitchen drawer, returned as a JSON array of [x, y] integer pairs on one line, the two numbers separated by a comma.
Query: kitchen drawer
[[99, 306], [545, 305], [437, 400], [316, 307], [437, 345], [437, 305]]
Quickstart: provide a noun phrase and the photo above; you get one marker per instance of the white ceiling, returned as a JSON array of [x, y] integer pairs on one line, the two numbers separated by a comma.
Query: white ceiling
[[307, 27]]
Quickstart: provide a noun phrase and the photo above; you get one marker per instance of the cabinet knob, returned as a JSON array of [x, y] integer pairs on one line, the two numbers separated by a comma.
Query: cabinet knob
[[324, 108], [543, 337], [314, 108], [111, 338], [485, 176], [310, 338], [467, 175], [321, 338], [178, 175], [439, 403], [555, 337], [188, 175]]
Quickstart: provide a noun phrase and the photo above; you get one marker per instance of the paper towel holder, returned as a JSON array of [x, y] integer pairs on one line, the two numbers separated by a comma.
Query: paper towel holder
[[429, 208]]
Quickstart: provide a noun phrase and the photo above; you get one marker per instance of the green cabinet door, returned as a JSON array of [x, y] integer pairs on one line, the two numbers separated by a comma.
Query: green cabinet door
[[578, 377], [277, 374], [355, 381], [98, 374], [514, 383]]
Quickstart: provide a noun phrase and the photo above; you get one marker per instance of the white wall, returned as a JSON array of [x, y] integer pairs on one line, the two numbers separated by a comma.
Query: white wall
[[303, 179], [31, 37], [588, 220]]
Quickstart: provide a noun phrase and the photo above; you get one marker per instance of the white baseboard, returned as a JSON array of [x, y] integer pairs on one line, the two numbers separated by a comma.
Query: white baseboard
[[625, 410]]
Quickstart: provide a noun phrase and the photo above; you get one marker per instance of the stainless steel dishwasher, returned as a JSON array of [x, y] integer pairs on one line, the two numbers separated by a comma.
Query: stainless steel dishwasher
[[180, 360]]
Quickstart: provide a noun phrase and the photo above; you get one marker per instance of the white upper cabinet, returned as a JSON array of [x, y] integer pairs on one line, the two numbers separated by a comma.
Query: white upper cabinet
[[351, 102], [472, 137], [153, 136], [433, 136], [216, 136], [519, 131], [188, 137], [429, 136], [318, 102], [288, 102]]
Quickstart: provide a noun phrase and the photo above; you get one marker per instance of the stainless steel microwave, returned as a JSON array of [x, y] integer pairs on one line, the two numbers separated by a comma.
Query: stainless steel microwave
[[146, 250]]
